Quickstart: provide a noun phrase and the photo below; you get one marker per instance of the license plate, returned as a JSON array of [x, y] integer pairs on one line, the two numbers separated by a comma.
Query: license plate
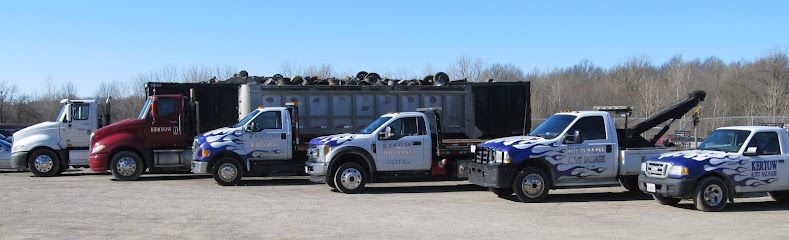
[[650, 187]]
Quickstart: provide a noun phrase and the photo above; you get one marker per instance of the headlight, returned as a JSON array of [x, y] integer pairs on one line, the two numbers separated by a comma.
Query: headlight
[[96, 148], [643, 167], [473, 149], [17, 147], [678, 171], [325, 150], [501, 157]]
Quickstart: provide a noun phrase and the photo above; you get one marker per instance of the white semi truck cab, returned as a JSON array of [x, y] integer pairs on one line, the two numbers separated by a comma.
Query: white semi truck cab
[[49, 148], [731, 161], [394, 146]]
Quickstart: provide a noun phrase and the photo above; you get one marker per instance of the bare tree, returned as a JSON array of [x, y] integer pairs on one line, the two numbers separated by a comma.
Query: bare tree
[[288, 69], [7, 96]]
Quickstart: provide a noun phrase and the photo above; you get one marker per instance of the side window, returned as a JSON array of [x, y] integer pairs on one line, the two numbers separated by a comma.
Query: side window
[[166, 108], [591, 128], [80, 111], [268, 120], [766, 143], [405, 127]]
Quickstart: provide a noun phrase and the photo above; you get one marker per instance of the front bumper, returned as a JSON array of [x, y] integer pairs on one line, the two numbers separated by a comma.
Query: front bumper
[[497, 176], [317, 171], [99, 162], [19, 160], [668, 187], [199, 167]]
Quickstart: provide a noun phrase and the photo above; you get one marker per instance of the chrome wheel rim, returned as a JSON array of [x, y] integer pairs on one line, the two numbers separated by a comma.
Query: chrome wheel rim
[[351, 178], [228, 172], [126, 166], [43, 163], [713, 195], [533, 185]]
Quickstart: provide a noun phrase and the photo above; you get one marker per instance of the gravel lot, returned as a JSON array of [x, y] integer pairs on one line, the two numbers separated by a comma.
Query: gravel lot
[[83, 205]]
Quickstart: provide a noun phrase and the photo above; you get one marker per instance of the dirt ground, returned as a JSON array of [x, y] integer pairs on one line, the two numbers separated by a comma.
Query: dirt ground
[[84, 205]]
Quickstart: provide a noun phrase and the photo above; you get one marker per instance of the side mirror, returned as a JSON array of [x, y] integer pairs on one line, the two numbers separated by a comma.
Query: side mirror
[[251, 127], [67, 119], [386, 134], [153, 110], [573, 138], [751, 151]]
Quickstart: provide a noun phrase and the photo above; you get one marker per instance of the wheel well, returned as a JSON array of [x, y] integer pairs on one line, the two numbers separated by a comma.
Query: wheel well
[[226, 154], [724, 178], [30, 156], [538, 163], [122, 149], [349, 157]]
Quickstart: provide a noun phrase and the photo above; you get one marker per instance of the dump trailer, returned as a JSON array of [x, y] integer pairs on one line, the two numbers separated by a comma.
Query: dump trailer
[[271, 140]]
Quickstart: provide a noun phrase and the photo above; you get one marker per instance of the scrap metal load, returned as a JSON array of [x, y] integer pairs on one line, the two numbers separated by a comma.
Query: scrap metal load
[[329, 106]]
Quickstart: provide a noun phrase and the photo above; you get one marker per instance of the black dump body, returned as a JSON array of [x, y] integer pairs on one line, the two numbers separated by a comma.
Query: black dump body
[[218, 103], [500, 108]]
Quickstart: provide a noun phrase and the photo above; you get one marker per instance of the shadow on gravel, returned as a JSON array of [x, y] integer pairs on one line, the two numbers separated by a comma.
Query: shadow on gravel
[[591, 197], [171, 177], [768, 205], [423, 189], [275, 182]]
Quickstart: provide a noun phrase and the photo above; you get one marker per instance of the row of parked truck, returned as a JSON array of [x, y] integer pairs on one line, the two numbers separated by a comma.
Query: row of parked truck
[[349, 135]]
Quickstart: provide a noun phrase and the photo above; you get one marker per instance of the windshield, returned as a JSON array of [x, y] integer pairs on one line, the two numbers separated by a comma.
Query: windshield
[[61, 114], [727, 140], [375, 125], [144, 110], [246, 119], [552, 127]]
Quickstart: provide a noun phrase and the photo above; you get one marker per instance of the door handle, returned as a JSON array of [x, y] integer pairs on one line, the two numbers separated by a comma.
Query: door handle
[[780, 160], [417, 143], [284, 136]]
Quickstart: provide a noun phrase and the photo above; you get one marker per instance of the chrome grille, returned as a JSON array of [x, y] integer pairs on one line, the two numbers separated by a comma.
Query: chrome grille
[[483, 155], [657, 169]]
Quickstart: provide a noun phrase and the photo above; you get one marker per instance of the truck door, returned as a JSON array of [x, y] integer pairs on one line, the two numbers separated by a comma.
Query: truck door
[[75, 132], [165, 130], [270, 137], [592, 155], [767, 169], [408, 148]]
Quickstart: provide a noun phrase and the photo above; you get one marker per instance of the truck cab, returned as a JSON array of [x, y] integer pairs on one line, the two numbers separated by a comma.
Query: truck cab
[[49, 148], [731, 161], [260, 144], [396, 145], [156, 140]]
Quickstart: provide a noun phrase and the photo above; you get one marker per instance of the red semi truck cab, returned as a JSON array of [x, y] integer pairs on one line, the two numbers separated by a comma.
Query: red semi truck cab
[[158, 140]]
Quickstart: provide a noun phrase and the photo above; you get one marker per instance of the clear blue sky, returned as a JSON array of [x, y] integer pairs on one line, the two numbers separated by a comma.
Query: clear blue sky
[[87, 42]]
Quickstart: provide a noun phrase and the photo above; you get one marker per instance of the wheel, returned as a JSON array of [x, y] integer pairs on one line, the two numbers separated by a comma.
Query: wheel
[[711, 195], [501, 192], [531, 185], [350, 178], [666, 200], [227, 171], [630, 183], [781, 196], [126, 166], [44, 163], [330, 181]]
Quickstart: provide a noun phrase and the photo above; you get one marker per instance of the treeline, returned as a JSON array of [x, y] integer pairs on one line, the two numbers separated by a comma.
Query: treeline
[[758, 87]]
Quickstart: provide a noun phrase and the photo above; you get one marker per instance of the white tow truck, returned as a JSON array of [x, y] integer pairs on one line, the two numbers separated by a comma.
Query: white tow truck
[[49, 148]]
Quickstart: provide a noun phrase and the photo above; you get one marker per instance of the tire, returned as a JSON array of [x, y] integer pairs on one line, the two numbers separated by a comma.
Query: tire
[[531, 185], [780, 196], [126, 166], [502, 192], [666, 200], [44, 163], [631, 184], [350, 178], [330, 181], [711, 195], [227, 171]]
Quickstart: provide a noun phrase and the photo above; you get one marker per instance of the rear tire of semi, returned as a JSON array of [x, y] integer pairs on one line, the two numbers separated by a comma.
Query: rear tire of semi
[[502, 192], [126, 166], [666, 200], [44, 163], [780, 196], [531, 185], [227, 171], [711, 195], [350, 178], [630, 183]]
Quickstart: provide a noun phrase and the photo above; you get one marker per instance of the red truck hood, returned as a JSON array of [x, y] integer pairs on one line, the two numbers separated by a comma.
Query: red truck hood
[[123, 125]]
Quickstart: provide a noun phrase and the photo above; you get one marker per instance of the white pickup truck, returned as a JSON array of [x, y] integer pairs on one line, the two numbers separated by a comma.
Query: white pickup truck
[[49, 148], [731, 161]]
